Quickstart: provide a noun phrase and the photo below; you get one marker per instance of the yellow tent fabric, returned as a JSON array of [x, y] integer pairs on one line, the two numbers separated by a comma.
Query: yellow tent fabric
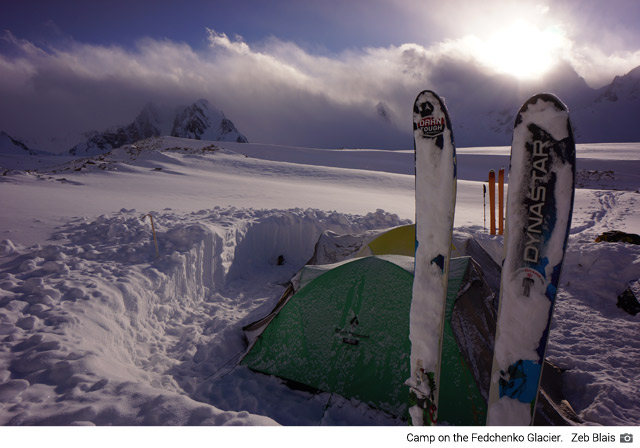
[[397, 241]]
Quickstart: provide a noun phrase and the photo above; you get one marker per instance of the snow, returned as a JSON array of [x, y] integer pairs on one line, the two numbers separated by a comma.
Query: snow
[[95, 329]]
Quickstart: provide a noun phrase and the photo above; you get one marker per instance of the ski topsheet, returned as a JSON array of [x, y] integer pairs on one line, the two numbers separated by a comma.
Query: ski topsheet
[[435, 163], [539, 209]]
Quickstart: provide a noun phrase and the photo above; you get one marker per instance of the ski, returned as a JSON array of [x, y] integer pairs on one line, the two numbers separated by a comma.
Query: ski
[[539, 209], [435, 166]]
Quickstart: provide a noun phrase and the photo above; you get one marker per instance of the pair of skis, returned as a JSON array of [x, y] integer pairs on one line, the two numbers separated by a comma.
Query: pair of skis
[[538, 218]]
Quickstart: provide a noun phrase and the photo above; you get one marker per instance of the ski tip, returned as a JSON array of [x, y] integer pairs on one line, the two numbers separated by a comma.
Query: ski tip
[[546, 101], [428, 92], [546, 97], [431, 122], [427, 97]]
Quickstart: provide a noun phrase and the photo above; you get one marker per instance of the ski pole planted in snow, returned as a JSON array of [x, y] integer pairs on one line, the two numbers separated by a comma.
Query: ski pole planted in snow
[[484, 207]]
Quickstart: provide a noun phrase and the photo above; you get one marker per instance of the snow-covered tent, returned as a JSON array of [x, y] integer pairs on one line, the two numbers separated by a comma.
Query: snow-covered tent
[[344, 328], [344, 331]]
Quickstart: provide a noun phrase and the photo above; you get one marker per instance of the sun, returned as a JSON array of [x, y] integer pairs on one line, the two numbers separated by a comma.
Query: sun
[[522, 50]]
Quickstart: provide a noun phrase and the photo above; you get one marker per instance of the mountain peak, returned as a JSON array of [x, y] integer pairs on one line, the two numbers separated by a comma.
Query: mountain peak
[[623, 88], [12, 146], [200, 121], [202, 102], [634, 74]]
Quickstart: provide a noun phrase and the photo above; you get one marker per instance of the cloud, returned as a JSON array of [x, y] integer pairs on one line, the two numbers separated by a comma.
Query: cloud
[[598, 67], [599, 40], [274, 91]]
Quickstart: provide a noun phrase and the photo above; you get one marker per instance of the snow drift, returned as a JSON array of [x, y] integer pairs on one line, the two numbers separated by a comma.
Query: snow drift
[[96, 328]]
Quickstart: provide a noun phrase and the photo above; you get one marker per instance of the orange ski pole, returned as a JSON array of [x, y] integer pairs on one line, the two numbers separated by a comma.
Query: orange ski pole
[[492, 202], [501, 201]]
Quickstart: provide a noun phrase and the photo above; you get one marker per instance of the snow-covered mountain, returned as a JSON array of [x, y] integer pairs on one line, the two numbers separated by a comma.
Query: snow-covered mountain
[[16, 154], [483, 107], [200, 121], [623, 88], [13, 146], [612, 114]]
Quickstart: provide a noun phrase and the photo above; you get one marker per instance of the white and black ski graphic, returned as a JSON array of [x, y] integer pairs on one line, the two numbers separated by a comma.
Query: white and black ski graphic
[[538, 219], [435, 163]]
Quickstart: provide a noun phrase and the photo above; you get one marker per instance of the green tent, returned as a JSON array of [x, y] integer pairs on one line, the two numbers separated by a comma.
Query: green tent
[[346, 330]]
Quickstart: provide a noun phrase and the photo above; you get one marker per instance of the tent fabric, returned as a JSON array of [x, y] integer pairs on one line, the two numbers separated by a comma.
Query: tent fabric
[[305, 276], [346, 331], [332, 247], [461, 361], [310, 272], [398, 240]]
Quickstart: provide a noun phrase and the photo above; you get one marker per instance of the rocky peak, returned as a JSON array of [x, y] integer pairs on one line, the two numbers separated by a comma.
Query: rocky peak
[[199, 121], [203, 121]]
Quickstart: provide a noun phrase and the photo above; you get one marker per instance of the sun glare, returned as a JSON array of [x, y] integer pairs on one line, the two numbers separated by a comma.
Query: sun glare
[[521, 50]]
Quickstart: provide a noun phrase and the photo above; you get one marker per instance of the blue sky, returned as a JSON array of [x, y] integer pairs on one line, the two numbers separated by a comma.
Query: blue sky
[[333, 25], [329, 25], [71, 66]]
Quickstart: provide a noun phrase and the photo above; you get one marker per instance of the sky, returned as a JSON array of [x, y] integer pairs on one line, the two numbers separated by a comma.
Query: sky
[[329, 74]]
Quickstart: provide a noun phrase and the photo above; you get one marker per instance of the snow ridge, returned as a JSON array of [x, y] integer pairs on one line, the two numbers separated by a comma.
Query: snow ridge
[[98, 330]]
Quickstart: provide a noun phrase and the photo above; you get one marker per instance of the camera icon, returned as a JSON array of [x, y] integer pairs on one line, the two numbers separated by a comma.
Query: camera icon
[[626, 438]]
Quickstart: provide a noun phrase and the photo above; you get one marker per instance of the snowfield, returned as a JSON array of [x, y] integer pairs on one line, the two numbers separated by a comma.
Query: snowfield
[[99, 328]]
